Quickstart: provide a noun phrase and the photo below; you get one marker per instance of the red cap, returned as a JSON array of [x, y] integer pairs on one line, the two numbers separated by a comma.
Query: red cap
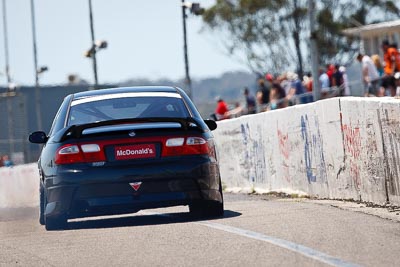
[[269, 77]]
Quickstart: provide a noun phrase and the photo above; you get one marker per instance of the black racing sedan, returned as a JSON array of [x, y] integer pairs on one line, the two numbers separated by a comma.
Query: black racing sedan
[[120, 150]]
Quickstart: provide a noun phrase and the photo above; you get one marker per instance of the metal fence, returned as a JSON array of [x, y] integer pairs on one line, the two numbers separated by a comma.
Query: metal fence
[[19, 118], [13, 126]]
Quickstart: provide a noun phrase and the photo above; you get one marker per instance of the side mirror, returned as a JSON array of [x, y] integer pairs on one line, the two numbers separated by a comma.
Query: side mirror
[[38, 137], [212, 125]]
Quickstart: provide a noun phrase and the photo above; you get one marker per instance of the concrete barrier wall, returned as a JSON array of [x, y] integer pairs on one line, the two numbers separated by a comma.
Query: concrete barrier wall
[[363, 146], [342, 148], [389, 121]]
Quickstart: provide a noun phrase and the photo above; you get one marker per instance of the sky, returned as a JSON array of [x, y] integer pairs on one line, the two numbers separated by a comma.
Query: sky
[[145, 40]]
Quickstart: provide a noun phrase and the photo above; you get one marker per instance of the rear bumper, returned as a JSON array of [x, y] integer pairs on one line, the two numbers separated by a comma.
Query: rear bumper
[[85, 191]]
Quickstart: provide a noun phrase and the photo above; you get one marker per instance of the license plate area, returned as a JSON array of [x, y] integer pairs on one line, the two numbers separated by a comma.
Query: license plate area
[[135, 151]]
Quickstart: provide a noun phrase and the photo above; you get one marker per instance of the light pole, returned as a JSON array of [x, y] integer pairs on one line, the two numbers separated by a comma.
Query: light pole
[[37, 86], [95, 46], [9, 93], [6, 54], [185, 53], [93, 49], [197, 10]]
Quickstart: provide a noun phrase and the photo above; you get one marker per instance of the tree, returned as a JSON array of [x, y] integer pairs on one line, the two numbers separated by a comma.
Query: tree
[[273, 34]]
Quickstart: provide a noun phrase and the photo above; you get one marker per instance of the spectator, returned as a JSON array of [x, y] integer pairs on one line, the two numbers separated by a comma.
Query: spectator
[[269, 78], [296, 89], [388, 85], [277, 97], [346, 86], [397, 83], [235, 112], [308, 82], [378, 64], [337, 80], [263, 94], [221, 109], [369, 74], [324, 83], [6, 161], [397, 68], [250, 101], [390, 58], [330, 68]]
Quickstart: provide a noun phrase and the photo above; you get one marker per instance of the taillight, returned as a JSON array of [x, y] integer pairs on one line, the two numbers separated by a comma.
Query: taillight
[[69, 154], [196, 145], [88, 148], [93, 153], [185, 146], [195, 141], [175, 142], [73, 153]]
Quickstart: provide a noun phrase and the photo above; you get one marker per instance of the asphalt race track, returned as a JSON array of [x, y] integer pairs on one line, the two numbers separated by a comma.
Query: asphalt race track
[[255, 231]]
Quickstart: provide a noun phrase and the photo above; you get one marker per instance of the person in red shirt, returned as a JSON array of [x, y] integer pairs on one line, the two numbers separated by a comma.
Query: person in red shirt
[[330, 69], [391, 59], [221, 109], [308, 82]]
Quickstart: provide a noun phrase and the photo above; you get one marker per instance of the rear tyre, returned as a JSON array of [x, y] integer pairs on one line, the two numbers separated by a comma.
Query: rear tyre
[[55, 222], [51, 222], [215, 209], [42, 204], [207, 209]]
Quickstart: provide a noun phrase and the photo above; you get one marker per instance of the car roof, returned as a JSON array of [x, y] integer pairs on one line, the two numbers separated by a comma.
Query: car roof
[[118, 90]]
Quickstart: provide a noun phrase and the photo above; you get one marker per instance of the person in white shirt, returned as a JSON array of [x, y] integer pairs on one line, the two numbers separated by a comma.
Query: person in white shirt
[[324, 83], [370, 75], [396, 77], [342, 69]]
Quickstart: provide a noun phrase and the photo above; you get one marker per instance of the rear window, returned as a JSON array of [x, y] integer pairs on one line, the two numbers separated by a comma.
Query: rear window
[[126, 105]]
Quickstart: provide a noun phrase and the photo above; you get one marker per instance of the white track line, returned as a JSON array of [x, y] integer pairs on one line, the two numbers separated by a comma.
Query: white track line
[[303, 250], [297, 248]]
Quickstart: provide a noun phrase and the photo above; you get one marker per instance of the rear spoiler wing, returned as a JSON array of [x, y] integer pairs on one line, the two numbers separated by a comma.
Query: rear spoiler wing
[[76, 131]]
